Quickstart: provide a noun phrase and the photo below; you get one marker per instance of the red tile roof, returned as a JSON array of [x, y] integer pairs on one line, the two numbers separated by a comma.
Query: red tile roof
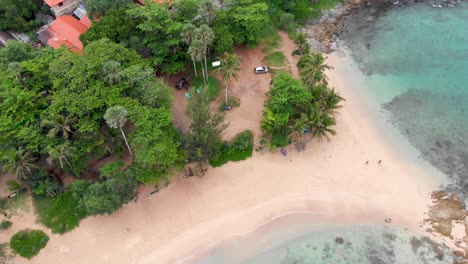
[[52, 3], [67, 30]]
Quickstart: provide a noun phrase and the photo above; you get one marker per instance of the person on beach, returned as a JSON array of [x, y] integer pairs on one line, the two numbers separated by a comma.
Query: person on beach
[[380, 162]]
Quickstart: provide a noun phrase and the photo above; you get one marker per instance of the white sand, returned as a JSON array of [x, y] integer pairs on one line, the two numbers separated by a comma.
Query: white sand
[[331, 179]]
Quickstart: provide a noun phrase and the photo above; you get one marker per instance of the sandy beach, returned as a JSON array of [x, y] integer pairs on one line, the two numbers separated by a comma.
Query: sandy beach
[[330, 179]]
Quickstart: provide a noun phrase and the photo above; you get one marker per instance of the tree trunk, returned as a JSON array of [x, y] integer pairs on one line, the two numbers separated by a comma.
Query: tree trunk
[[226, 94], [126, 142], [206, 67], [203, 71], [71, 167], [195, 68]]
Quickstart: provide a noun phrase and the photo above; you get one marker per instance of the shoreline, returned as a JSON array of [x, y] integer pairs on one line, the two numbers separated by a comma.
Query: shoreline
[[192, 213]]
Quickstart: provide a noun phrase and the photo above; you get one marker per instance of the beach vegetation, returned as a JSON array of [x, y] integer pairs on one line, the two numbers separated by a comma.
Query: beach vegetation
[[230, 65], [5, 224], [299, 110], [27, 243], [206, 128], [239, 148], [17, 15]]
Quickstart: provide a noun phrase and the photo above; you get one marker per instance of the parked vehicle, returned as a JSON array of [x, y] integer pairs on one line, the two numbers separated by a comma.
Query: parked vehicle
[[182, 83], [261, 69]]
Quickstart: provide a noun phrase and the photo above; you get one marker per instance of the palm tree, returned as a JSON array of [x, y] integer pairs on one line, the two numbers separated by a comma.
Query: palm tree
[[322, 129], [20, 163], [206, 35], [112, 72], [116, 117], [59, 125], [197, 51], [332, 101], [229, 67], [207, 11], [188, 35], [60, 154], [312, 69]]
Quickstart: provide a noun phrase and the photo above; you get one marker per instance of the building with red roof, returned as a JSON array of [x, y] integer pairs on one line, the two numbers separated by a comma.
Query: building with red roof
[[65, 30], [62, 7]]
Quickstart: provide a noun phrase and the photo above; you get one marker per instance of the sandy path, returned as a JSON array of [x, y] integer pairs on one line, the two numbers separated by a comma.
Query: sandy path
[[329, 178]]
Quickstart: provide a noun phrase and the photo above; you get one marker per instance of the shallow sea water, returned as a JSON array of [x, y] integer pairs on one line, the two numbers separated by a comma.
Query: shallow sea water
[[416, 61]]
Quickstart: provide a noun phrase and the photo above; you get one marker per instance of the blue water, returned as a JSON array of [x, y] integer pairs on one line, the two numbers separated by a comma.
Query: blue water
[[416, 59]]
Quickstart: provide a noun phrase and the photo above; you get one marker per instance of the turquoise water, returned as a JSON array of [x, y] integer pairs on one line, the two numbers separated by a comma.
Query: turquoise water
[[416, 59], [327, 244]]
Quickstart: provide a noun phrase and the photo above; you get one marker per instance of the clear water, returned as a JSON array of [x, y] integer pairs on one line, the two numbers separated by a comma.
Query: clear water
[[328, 244], [416, 59]]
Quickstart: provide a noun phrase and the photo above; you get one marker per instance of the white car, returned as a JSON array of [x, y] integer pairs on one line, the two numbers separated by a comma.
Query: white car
[[261, 69]]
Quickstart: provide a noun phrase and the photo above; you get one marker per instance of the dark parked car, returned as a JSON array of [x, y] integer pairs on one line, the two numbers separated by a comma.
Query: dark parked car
[[182, 83]]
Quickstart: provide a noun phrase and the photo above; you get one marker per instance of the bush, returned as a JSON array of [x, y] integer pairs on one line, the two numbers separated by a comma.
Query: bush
[[5, 224], [61, 214], [27, 243], [279, 139], [240, 148]]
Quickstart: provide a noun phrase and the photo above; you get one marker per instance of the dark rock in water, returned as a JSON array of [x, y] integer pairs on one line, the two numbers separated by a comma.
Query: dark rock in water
[[339, 240]]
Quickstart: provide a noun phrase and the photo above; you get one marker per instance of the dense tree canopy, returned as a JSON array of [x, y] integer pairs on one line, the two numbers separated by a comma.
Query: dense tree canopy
[[17, 14]]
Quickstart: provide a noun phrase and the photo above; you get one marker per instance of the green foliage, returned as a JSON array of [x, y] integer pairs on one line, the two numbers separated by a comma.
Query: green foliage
[[27, 243], [108, 196], [163, 36], [5, 224], [279, 139], [4, 250], [240, 148], [206, 128], [247, 19], [119, 27], [61, 214], [276, 59], [98, 8], [326, 4], [13, 186], [285, 95], [17, 15]]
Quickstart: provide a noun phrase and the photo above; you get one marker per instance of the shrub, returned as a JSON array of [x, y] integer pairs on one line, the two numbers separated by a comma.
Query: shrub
[[240, 148], [61, 214], [279, 139], [213, 86], [27, 243], [5, 224]]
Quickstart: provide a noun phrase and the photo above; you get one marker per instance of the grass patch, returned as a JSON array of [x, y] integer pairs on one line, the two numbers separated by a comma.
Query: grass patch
[[276, 59], [213, 86], [240, 148], [5, 224], [27, 243], [60, 214], [270, 39]]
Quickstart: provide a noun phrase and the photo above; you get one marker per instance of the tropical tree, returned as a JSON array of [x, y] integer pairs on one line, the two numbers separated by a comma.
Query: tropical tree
[[312, 69], [59, 125], [322, 129], [206, 128], [60, 154], [111, 72], [197, 51], [332, 101], [188, 35], [116, 117], [207, 11], [229, 68], [206, 36], [21, 163]]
